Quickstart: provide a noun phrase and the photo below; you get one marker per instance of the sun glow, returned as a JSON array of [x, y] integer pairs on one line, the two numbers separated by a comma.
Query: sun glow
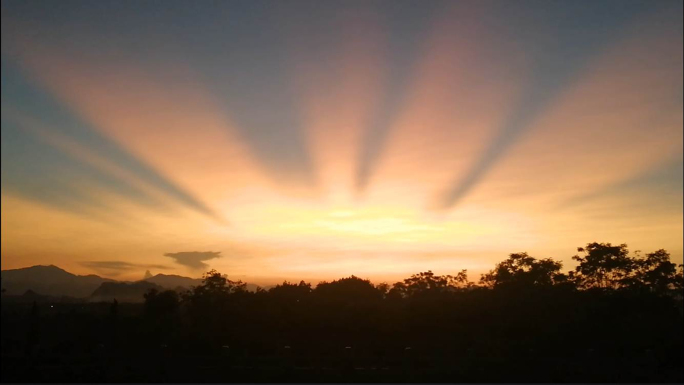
[[354, 150]]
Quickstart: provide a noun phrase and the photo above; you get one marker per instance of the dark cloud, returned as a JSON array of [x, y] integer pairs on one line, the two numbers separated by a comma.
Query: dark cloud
[[118, 267], [194, 259]]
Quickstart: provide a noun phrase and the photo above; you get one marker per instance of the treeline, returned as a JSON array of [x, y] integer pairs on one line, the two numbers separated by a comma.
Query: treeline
[[615, 317]]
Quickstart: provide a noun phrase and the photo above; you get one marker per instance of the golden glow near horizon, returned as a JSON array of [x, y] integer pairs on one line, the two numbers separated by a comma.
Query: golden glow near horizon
[[586, 167]]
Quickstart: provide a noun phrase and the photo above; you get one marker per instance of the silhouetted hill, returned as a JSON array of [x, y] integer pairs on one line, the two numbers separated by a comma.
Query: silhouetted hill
[[172, 282], [60, 285], [50, 281], [180, 283], [123, 291], [31, 296], [614, 318]]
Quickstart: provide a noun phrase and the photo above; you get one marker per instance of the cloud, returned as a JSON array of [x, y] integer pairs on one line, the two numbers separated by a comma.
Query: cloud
[[194, 259], [117, 267]]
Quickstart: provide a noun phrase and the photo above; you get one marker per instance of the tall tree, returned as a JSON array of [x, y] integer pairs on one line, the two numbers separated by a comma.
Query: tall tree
[[604, 266], [520, 269], [656, 272]]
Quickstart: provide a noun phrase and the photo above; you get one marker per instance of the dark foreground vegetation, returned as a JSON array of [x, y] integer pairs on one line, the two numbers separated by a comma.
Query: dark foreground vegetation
[[615, 318]]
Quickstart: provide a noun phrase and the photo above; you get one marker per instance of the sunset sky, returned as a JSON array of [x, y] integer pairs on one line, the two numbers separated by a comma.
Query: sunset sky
[[280, 140]]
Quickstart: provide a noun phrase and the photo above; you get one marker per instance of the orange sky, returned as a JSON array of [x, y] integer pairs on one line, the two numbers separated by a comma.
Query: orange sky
[[488, 146]]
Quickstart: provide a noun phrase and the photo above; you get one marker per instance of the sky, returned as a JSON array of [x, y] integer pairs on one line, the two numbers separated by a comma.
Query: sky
[[313, 140]]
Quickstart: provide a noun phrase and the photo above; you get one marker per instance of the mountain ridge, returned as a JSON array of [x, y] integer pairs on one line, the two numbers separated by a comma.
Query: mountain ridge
[[54, 282], [49, 280]]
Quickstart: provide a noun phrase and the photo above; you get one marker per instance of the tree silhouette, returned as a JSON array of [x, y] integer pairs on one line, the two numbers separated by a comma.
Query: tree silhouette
[[291, 292], [522, 270], [428, 283], [161, 304], [604, 266], [600, 322], [679, 278], [114, 309], [214, 289], [348, 290], [656, 272]]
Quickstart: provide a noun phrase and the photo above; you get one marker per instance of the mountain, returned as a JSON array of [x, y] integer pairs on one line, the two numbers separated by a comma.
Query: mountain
[[55, 283], [172, 282], [51, 281], [252, 287], [123, 291], [31, 296], [177, 282]]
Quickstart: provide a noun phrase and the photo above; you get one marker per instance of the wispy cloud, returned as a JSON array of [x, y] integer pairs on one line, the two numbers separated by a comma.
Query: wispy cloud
[[113, 268]]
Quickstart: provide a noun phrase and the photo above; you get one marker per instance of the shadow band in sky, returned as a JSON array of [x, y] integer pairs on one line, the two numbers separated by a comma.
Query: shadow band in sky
[[587, 28], [34, 169]]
